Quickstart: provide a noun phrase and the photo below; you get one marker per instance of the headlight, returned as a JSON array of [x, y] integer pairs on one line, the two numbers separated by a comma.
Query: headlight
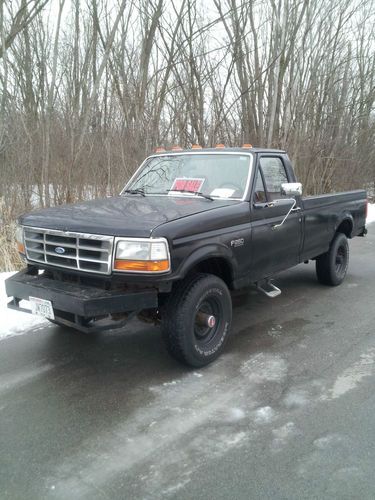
[[142, 255], [19, 239]]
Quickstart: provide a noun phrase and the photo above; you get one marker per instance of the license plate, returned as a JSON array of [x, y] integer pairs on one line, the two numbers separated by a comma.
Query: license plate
[[41, 307]]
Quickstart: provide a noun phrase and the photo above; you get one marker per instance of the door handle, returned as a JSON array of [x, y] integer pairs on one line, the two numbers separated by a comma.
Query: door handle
[[296, 209]]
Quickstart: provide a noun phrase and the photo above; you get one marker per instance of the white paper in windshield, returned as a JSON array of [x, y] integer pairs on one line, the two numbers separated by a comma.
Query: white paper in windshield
[[222, 192]]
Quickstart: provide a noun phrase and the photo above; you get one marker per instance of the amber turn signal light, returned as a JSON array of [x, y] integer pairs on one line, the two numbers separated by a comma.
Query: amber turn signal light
[[142, 265], [21, 247]]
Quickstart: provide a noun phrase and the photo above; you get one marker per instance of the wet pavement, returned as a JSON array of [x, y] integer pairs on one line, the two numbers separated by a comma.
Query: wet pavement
[[288, 412]]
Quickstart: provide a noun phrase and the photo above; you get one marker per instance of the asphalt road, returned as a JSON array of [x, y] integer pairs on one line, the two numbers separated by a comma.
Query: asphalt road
[[287, 413]]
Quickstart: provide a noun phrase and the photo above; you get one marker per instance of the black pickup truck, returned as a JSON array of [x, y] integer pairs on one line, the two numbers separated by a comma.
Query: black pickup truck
[[189, 227]]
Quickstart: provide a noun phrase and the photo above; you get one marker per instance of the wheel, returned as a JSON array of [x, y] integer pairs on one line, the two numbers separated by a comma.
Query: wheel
[[331, 267], [196, 319]]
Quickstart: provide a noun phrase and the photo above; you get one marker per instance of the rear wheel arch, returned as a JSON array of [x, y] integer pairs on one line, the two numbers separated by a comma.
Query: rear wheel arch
[[346, 226]]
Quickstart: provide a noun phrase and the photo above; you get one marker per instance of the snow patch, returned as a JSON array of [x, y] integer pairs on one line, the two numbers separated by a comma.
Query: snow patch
[[282, 434], [265, 367], [184, 423], [285, 431], [234, 439], [296, 398], [231, 415], [236, 414], [370, 213], [14, 322], [275, 331], [264, 415], [353, 375], [326, 441], [173, 382], [176, 487]]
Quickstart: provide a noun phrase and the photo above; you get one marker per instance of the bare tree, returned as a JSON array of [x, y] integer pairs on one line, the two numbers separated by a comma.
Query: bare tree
[[87, 93], [24, 15]]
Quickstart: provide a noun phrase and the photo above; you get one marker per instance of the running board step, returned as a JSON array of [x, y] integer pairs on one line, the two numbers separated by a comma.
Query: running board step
[[269, 289]]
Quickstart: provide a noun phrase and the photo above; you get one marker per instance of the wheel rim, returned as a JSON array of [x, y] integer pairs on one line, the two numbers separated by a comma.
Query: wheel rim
[[341, 261], [207, 320]]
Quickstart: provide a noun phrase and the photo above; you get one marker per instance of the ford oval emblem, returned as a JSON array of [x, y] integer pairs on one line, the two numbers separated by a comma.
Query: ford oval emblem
[[60, 250]]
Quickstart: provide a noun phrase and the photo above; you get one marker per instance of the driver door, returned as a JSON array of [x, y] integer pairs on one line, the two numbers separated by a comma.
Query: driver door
[[273, 250]]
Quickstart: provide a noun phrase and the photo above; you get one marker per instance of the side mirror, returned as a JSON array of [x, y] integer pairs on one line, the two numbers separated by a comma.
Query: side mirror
[[291, 189]]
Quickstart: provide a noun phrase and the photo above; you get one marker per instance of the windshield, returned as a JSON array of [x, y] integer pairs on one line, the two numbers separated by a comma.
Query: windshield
[[213, 175]]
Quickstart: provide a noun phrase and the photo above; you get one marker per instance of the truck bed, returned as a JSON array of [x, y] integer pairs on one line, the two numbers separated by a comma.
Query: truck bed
[[323, 214]]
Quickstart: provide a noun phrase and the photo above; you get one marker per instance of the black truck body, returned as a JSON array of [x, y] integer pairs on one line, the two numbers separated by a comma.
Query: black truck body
[[239, 241]]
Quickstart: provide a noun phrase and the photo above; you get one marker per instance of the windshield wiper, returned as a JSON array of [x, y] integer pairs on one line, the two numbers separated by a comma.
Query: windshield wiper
[[197, 193], [135, 191]]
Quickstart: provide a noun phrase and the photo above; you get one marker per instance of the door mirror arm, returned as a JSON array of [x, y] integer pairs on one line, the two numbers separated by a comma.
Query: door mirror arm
[[293, 207]]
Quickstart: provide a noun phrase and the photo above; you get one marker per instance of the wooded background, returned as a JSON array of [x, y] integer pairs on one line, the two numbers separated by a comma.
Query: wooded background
[[90, 87]]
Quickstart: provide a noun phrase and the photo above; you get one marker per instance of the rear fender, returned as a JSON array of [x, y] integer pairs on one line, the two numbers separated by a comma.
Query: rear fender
[[345, 224]]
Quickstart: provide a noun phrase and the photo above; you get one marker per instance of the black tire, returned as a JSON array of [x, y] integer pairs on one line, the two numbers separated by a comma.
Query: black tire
[[331, 267], [186, 338]]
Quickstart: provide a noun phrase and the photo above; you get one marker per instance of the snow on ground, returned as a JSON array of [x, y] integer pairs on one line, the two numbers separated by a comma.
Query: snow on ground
[[14, 322], [17, 323], [370, 213]]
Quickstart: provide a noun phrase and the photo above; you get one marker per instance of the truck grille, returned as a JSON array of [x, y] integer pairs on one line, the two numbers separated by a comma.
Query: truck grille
[[83, 252]]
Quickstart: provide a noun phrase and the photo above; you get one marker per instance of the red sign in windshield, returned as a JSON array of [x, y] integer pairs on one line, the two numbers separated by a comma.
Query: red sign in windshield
[[187, 184]]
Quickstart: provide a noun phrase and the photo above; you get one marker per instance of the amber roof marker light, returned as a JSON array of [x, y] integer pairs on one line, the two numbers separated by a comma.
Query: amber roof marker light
[[247, 146], [196, 146], [220, 146], [176, 148], [159, 149]]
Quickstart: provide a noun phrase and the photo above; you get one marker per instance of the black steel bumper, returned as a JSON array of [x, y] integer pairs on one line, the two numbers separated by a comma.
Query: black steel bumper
[[85, 308]]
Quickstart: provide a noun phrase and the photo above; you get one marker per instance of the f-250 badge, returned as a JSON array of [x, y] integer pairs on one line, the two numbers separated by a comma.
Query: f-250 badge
[[237, 243]]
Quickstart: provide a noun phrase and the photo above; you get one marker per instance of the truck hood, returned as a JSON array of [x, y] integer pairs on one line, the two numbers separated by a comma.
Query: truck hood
[[121, 215]]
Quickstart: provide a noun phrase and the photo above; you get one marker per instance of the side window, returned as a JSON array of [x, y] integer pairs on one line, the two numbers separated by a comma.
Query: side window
[[274, 175], [259, 192]]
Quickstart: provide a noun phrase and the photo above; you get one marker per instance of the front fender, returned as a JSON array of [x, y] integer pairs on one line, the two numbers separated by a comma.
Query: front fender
[[208, 252]]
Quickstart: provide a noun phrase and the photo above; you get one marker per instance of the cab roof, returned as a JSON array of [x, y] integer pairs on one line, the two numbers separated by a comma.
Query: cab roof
[[217, 150]]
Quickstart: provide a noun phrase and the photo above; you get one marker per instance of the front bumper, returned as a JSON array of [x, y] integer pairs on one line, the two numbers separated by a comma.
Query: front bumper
[[86, 308]]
